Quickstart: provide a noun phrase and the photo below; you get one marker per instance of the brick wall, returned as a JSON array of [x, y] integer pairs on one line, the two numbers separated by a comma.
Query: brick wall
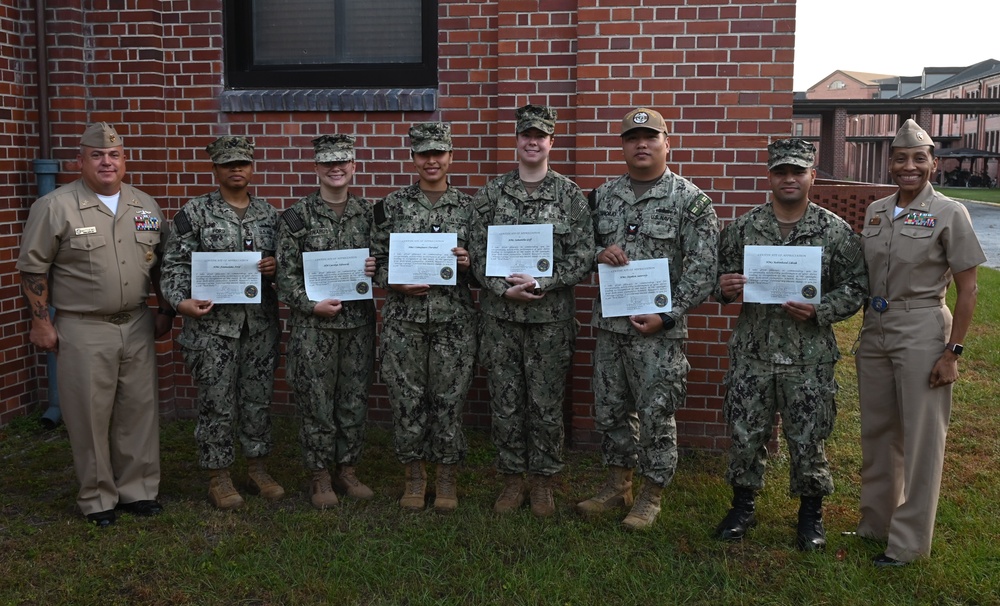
[[719, 70]]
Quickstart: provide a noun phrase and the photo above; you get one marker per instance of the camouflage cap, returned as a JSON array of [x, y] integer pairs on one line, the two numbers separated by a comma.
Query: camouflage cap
[[228, 149], [541, 117], [430, 136], [911, 135], [797, 152], [334, 148], [101, 135], [643, 117]]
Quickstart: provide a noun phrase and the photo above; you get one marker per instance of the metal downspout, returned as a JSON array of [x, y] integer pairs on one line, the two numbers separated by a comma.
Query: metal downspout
[[46, 170]]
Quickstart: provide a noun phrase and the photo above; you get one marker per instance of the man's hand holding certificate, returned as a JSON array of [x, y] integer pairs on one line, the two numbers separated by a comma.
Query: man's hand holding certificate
[[336, 274], [422, 259], [519, 249], [225, 277], [781, 274]]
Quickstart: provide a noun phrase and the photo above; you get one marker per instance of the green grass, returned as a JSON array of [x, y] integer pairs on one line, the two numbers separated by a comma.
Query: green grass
[[972, 193], [373, 553]]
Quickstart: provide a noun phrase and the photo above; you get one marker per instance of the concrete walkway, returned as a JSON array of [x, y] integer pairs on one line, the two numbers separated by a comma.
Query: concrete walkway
[[986, 221]]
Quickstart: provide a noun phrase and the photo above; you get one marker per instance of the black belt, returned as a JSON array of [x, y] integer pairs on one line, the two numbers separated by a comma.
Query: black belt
[[880, 304]]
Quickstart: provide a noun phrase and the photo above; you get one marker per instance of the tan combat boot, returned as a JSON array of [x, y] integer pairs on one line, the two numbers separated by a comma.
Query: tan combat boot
[[261, 482], [512, 496], [321, 493], [543, 504], [646, 508], [221, 492], [414, 487], [446, 489], [616, 492], [349, 483]]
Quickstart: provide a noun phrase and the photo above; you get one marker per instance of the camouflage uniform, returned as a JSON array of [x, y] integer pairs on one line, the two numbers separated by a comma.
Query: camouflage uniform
[[232, 351], [640, 381], [330, 360], [428, 352], [527, 348], [778, 364]]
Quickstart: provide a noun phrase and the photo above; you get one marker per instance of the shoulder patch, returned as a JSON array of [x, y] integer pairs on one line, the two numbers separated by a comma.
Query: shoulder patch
[[182, 224], [293, 220], [379, 212], [853, 247], [699, 205]]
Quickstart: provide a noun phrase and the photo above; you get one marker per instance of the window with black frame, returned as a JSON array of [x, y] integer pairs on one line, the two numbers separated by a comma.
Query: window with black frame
[[324, 44]]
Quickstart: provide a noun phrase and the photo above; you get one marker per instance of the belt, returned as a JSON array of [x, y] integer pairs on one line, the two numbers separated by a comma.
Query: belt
[[880, 304], [122, 317]]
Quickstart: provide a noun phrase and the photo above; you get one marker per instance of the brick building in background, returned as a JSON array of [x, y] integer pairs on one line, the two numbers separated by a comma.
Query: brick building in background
[[173, 75]]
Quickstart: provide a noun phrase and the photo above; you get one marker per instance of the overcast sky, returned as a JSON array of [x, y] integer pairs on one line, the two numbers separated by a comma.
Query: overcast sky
[[892, 36]]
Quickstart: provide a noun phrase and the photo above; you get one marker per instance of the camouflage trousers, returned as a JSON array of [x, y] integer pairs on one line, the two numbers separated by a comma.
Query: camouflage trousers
[[526, 367], [235, 379], [805, 397], [427, 368], [330, 372], [639, 382]]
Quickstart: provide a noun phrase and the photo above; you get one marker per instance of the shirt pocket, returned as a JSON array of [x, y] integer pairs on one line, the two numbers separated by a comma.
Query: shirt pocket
[[214, 239], [915, 244], [93, 249], [459, 228], [146, 244], [320, 239], [659, 239], [605, 230]]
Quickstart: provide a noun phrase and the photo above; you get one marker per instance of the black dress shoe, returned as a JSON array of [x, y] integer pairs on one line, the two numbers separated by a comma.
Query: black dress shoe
[[102, 519], [144, 508], [884, 561]]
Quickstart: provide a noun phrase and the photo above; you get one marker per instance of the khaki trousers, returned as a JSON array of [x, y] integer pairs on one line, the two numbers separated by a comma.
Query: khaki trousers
[[904, 424], [107, 387]]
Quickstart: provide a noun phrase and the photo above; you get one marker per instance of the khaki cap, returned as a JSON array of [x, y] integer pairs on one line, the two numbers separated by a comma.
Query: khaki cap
[[911, 135], [101, 135], [228, 149], [643, 117], [334, 148], [541, 117], [430, 136], [797, 152]]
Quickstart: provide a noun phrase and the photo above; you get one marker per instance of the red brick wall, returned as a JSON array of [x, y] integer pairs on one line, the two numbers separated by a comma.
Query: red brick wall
[[719, 70]]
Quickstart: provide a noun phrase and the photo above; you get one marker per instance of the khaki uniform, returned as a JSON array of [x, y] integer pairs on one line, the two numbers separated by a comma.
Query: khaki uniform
[[330, 360], [640, 381], [911, 259], [778, 364], [99, 268], [527, 347], [232, 351], [428, 343]]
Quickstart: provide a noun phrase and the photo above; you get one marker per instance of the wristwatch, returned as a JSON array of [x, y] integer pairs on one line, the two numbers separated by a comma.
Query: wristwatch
[[955, 348], [668, 322]]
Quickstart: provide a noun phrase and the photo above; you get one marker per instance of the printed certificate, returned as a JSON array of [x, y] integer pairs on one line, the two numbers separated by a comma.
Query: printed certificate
[[519, 249], [225, 277], [422, 259], [336, 274], [778, 274], [641, 287]]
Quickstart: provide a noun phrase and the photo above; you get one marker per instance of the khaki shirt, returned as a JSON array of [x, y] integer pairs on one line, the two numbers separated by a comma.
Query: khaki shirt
[[913, 256], [100, 263]]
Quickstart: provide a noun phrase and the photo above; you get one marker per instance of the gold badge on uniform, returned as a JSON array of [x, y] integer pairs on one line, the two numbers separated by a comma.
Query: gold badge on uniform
[[875, 221], [149, 257]]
